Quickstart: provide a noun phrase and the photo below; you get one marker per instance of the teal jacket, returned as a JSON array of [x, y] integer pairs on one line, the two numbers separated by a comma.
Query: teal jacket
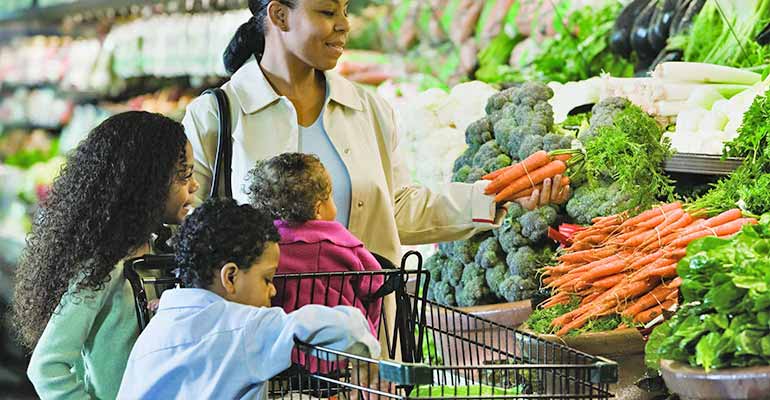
[[84, 349]]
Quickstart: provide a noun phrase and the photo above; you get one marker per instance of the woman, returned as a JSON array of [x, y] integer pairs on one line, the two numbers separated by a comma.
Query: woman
[[284, 98]]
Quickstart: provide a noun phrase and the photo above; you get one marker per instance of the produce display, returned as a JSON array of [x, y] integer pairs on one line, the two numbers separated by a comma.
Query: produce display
[[725, 316]]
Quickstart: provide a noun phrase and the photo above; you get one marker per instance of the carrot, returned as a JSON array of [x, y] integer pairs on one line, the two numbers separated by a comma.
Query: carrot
[[646, 260], [494, 174], [675, 283], [588, 255], [590, 298], [721, 230], [610, 268], [559, 298], [609, 281], [674, 295], [683, 221], [654, 234], [667, 271], [528, 192], [533, 178], [651, 213], [651, 299], [607, 230], [528, 165], [647, 271], [580, 321], [650, 314]]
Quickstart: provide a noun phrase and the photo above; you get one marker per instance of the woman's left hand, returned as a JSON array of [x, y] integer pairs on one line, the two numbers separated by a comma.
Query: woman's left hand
[[553, 193]]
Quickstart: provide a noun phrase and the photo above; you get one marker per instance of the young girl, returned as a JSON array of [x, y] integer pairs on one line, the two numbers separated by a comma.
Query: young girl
[[72, 304], [297, 190]]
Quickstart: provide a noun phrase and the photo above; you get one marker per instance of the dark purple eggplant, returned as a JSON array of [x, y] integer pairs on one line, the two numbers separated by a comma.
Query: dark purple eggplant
[[620, 38], [689, 15], [639, 32], [662, 24], [654, 20], [678, 15], [666, 56]]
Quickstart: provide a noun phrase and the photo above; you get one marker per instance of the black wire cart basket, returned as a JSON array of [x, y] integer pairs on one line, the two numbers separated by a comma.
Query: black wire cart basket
[[430, 351]]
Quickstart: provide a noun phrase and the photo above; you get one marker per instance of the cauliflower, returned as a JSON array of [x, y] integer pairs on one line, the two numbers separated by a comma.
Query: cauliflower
[[489, 253], [534, 224]]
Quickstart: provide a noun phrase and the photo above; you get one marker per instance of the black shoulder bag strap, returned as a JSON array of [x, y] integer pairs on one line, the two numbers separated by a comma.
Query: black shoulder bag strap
[[223, 161]]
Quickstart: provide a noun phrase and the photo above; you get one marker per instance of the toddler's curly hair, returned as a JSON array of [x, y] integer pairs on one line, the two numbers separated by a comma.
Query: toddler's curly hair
[[289, 186]]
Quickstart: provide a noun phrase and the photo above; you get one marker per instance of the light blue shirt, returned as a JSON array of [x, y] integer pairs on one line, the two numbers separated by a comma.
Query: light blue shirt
[[200, 346], [315, 140]]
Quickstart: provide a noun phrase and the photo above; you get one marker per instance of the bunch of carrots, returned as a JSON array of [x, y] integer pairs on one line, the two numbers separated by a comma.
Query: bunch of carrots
[[521, 179], [627, 266]]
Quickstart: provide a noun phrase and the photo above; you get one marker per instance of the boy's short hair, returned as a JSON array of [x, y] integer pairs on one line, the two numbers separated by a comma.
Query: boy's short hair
[[289, 186], [217, 232]]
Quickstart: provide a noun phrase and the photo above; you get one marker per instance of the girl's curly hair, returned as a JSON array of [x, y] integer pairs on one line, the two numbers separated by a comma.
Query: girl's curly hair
[[217, 232], [289, 186], [105, 203]]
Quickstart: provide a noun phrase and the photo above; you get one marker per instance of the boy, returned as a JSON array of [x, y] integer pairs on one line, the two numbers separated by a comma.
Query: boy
[[218, 338]]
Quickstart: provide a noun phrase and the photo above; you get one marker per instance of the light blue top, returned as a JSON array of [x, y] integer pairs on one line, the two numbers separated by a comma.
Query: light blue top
[[200, 346], [315, 140]]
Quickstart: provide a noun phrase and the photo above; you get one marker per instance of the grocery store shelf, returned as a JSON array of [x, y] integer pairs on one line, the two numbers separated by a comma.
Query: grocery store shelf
[[701, 164], [91, 8]]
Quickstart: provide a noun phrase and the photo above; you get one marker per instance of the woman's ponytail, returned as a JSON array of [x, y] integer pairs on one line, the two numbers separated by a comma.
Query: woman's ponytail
[[248, 40]]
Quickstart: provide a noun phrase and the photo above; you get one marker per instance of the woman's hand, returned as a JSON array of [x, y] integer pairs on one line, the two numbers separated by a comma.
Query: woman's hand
[[553, 193]]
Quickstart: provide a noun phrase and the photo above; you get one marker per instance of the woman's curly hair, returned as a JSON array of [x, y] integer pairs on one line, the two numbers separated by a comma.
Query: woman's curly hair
[[217, 232], [289, 186], [105, 203]]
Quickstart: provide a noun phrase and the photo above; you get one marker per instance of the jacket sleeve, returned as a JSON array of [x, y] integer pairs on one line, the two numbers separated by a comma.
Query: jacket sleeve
[[58, 352], [272, 333], [452, 212], [201, 126]]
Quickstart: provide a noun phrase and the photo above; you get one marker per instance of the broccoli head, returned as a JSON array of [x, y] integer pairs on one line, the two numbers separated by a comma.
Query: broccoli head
[[494, 276], [523, 262], [589, 202], [473, 289], [461, 175], [479, 132], [533, 90], [488, 151], [466, 158], [603, 114], [453, 272], [489, 253], [446, 248], [475, 174], [435, 266], [535, 223], [530, 145], [442, 292], [501, 161], [509, 234], [497, 101], [516, 288], [555, 141], [465, 250]]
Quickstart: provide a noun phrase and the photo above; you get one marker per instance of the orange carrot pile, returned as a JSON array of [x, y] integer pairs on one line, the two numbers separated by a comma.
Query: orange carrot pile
[[627, 266], [520, 180]]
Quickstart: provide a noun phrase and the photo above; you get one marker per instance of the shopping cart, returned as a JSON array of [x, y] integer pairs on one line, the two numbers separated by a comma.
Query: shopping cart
[[149, 275], [441, 352]]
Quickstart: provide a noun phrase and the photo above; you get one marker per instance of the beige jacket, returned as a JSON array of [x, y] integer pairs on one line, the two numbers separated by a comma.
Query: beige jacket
[[386, 209]]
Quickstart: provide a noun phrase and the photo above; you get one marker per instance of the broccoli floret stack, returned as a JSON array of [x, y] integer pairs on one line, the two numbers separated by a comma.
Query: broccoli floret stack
[[588, 203], [501, 267], [603, 114]]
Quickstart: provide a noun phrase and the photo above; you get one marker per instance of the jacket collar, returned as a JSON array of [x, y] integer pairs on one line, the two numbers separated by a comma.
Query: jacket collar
[[317, 231], [254, 92]]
